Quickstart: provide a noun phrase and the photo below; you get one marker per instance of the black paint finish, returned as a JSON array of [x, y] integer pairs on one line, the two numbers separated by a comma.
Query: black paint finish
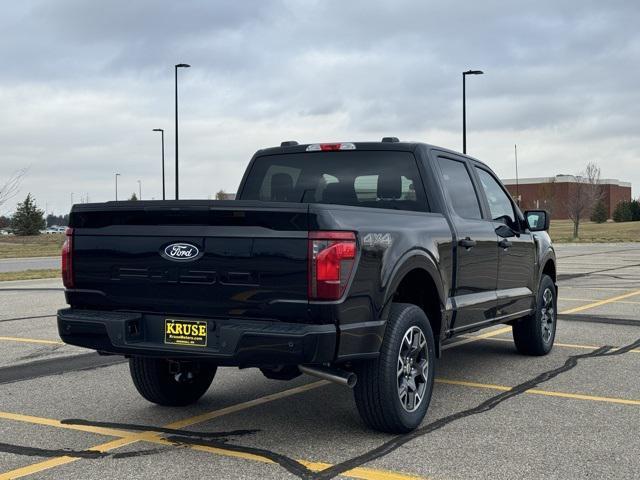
[[252, 266]]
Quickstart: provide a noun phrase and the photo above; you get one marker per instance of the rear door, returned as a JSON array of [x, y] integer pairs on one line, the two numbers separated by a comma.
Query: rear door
[[516, 247], [474, 295]]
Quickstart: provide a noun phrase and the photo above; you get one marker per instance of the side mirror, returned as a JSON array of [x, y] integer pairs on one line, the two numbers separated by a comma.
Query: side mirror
[[537, 220]]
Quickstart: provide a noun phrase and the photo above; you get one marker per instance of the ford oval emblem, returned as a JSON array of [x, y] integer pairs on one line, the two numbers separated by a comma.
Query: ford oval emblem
[[181, 252]]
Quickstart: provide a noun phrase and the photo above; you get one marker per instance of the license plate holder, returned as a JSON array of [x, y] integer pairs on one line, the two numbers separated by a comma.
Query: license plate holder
[[190, 333]]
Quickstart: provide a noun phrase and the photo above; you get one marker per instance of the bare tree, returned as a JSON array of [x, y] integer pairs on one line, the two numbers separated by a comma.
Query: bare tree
[[11, 186], [583, 195]]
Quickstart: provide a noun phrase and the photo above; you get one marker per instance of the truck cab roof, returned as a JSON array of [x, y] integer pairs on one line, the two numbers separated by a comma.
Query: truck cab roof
[[293, 147]]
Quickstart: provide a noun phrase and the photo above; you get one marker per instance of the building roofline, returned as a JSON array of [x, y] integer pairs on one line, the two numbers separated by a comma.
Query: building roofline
[[561, 179]]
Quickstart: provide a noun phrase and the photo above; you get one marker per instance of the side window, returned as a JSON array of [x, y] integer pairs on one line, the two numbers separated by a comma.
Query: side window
[[460, 189], [499, 204]]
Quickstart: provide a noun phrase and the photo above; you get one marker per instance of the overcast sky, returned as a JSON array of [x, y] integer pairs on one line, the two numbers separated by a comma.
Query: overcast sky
[[83, 83]]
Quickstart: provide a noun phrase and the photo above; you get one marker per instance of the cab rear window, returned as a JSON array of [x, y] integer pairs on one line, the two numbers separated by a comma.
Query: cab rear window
[[378, 179]]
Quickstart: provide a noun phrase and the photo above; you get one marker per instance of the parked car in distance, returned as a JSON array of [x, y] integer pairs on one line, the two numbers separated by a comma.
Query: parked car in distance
[[353, 262], [54, 229]]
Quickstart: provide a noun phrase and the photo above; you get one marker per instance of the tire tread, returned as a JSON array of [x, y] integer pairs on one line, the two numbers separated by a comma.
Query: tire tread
[[377, 404]]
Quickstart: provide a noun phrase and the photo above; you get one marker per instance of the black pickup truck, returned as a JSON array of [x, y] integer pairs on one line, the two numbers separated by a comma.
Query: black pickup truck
[[353, 262]]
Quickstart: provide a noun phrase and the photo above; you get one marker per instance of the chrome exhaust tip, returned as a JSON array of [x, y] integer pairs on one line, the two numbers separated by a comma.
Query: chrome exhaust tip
[[341, 377]]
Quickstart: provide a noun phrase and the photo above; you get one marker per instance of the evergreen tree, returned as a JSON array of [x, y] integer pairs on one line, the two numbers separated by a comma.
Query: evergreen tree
[[623, 212], [635, 210], [599, 212], [28, 219], [133, 196]]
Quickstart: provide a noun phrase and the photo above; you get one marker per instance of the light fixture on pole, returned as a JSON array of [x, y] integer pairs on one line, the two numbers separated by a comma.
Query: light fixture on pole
[[162, 133], [464, 106], [117, 175], [179, 65]]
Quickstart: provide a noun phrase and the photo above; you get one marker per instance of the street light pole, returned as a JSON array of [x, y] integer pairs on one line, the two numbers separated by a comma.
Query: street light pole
[[117, 175], [464, 106], [139, 190], [162, 132], [179, 65], [515, 149]]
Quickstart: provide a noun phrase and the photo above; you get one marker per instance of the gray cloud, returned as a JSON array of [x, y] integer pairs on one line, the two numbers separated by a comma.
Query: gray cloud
[[85, 83]]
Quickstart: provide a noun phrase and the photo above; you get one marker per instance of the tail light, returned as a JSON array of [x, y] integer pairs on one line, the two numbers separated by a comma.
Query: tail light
[[67, 259], [331, 259]]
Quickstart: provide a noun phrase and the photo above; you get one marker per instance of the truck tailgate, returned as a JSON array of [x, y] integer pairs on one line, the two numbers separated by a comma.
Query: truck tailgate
[[249, 261]]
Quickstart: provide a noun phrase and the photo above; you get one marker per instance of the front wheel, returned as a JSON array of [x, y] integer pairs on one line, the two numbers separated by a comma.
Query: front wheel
[[534, 335], [170, 383], [394, 390]]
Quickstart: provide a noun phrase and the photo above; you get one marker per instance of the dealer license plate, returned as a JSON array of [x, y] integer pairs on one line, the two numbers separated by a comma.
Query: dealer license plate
[[185, 332]]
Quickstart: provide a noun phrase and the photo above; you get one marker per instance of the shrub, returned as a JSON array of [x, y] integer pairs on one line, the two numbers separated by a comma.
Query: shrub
[[599, 212], [635, 210], [623, 212]]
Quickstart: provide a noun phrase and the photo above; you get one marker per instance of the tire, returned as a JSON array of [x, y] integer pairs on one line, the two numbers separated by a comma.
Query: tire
[[152, 377], [534, 335], [381, 381]]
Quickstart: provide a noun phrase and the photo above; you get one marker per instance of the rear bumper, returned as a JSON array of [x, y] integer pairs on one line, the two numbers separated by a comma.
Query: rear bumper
[[229, 341]]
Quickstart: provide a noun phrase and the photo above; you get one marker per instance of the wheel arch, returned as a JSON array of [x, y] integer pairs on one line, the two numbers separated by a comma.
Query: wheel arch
[[417, 280], [549, 268]]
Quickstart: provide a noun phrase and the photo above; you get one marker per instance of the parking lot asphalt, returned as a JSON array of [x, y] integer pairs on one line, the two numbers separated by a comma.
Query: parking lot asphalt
[[65, 413]]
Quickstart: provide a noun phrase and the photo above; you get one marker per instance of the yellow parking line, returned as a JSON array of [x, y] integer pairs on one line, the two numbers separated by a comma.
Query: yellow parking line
[[50, 422], [534, 391], [104, 447], [31, 340], [562, 345], [601, 302], [58, 461], [482, 336], [154, 437], [626, 302], [580, 287], [187, 422]]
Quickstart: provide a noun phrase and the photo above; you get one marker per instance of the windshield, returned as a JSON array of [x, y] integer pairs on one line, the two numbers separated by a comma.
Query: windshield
[[379, 179]]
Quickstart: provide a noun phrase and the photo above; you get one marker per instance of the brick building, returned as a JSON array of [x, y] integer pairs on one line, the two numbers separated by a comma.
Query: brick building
[[552, 193]]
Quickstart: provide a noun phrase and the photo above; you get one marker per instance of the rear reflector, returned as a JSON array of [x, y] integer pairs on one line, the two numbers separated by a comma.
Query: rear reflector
[[328, 147], [67, 259], [331, 259]]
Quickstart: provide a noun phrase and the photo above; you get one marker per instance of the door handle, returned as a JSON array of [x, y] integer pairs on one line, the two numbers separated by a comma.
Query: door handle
[[504, 243], [467, 243]]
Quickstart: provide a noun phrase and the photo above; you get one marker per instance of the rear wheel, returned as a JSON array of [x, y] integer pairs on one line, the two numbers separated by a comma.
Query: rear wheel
[[394, 390], [170, 383], [535, 334]]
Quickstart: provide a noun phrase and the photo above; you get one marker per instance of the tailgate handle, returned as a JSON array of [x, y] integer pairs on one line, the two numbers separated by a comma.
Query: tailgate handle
[[239, 278]]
